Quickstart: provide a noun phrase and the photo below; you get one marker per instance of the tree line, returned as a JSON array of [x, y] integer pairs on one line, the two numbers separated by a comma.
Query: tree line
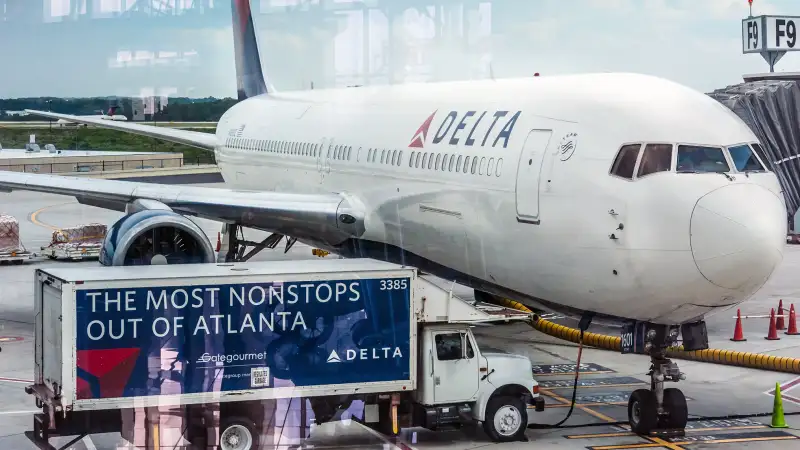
[[177, 109]]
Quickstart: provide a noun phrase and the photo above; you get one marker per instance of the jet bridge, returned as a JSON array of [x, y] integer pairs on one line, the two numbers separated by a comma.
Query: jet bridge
[[770, 105]]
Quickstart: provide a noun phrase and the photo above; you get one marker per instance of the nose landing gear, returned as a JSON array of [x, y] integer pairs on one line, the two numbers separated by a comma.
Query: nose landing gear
[[658, 410]]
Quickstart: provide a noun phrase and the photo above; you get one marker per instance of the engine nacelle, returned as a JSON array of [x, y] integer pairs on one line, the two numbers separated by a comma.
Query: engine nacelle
[[155, 236]]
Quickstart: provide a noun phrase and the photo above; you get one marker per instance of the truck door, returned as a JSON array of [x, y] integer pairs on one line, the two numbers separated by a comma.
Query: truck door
[[528, 173], [455, 368]]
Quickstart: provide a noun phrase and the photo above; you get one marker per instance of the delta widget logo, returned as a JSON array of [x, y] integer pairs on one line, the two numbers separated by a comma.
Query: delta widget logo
[[418, 141]]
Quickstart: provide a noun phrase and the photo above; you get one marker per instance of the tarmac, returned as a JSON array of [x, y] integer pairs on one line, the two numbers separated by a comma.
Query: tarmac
[[715, 392]]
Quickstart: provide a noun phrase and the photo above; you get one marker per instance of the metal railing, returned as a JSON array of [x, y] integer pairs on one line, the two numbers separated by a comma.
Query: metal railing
[[107, 166]]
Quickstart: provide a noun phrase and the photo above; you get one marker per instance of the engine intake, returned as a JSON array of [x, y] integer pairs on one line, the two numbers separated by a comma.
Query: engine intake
[[152, 237]]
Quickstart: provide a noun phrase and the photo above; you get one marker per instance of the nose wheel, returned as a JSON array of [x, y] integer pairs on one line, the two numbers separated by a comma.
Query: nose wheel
[[659, 410]]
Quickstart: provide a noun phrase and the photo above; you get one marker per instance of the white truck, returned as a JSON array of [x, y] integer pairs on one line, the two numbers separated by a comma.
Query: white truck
[[235, 336]]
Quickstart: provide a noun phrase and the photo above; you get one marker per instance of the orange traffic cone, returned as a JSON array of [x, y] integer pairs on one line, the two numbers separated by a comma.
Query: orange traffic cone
[[780, 324], [219, 243], [738, 334], [773, 332], [792, 331]]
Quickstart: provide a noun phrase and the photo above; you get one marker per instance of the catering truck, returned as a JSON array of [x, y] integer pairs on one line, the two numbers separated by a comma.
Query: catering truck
[[237, 336]]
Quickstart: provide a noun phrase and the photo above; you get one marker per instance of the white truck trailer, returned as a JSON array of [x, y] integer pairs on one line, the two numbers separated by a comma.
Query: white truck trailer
[[237, 335]]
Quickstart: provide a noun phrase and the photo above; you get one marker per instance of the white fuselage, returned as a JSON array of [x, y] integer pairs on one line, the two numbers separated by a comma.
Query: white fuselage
[[536, 217]]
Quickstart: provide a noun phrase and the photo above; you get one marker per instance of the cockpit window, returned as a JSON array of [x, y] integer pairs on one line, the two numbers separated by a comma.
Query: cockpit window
[[626, 161], [656, 158], [695, 158], [760, 152], [744, 159]]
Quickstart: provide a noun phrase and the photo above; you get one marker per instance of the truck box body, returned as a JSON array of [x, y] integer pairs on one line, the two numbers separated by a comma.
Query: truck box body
[[117, 337]]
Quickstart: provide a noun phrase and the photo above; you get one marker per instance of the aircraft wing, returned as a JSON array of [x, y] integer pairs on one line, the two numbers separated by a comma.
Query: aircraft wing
[[198, 139], [330, 218]]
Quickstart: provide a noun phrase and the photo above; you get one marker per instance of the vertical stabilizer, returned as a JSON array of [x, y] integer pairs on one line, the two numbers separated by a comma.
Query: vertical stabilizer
[[249, 76]]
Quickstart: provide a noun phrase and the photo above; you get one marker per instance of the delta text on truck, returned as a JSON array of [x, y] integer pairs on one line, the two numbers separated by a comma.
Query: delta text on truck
[[234, 335]]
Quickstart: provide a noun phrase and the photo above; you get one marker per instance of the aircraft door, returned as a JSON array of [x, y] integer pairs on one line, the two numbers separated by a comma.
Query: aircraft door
[[528, 173]]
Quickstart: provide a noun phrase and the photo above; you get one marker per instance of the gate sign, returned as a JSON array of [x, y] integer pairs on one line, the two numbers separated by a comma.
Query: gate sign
[[781, 33], [770, 34], [752, 39]]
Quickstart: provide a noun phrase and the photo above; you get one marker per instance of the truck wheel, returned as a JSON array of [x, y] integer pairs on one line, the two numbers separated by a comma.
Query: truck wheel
[[506, 419], [237, 433]]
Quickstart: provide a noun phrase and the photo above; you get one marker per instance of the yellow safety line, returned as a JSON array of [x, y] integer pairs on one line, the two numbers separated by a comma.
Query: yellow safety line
[[40, 210], [627, 446], [664, 443], [605, 342], [581, 407]]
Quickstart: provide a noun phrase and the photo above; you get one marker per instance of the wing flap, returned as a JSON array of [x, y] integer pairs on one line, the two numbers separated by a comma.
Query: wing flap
[[329, 217], [206, 141]]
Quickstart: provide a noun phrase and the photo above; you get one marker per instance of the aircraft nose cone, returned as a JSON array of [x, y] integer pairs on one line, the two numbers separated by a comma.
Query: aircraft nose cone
[[738, 233]]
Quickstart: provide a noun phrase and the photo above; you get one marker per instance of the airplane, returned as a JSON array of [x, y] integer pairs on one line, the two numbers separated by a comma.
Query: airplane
[[111, 115], [621, 197]]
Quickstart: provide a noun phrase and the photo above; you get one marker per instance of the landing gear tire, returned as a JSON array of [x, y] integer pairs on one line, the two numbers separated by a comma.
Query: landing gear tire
[[675, 409], [506, 419], [237, 433], [643, 411]]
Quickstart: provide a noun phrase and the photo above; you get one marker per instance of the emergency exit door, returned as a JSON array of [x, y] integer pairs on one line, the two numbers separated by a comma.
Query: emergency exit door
[[528, 173]]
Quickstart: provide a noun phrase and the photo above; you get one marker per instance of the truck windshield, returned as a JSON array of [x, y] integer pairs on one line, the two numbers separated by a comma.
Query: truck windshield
[[744, 159], [695, 158]]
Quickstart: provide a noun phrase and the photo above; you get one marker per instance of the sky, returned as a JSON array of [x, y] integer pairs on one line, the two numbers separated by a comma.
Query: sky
[[694, 42]]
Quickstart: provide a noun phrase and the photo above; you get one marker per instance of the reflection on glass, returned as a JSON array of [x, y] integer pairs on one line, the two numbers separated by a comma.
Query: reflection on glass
[[696, 158], [744, 159]]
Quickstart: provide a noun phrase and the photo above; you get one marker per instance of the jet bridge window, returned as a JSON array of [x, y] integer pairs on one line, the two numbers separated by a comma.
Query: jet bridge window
[[656, 158], [696, 158], [450, 347], [625, 163], [744, 159]]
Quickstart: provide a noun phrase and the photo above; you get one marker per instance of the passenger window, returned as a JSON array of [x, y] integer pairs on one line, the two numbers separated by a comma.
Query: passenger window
[[383, 156], [761, 155], [626, 161], [451, 163], [416, 161], [424, 159], [394, 157], [458, 163], [490, 169], [349, 150], [481, 166], [438, 160], [744, 159], [695, 158], [499, 167], [445, 157], [430, 162], [474, 164], [466, 164], [656, 158], [399, 157], [449, 347]]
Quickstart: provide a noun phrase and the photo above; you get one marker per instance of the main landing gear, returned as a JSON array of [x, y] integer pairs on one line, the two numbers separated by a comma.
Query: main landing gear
[[659, 410], [232, 245]]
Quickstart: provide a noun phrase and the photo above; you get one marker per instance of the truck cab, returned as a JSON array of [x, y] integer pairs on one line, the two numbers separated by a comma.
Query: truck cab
[[457, 381]]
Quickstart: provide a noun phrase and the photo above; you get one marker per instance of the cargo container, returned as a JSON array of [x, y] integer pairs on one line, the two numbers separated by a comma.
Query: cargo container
[[235, 335]]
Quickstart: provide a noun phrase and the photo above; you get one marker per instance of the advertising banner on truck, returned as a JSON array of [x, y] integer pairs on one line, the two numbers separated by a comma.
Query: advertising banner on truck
[[229, 337]]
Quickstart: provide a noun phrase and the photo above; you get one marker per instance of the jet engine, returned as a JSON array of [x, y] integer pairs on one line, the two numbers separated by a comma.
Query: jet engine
[[155, 236]]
